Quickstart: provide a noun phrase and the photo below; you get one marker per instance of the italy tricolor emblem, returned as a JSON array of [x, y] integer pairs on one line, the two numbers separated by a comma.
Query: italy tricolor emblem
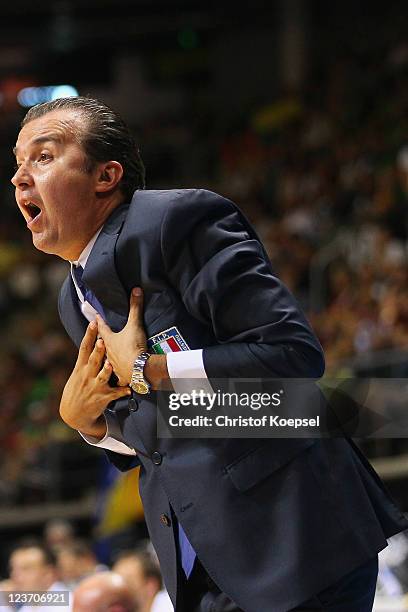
[[168, 341]]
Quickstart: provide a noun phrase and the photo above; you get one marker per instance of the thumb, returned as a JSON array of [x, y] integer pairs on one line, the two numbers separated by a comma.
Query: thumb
[[103, 328], [136, 307]]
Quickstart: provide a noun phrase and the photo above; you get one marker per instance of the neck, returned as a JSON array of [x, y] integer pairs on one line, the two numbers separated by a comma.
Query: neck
[[105, 205], [146, 607], [101, 214], [76, 251]]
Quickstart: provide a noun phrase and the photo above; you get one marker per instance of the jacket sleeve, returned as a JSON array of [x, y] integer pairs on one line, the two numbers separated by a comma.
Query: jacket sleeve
[[122, 462], [216, 262]]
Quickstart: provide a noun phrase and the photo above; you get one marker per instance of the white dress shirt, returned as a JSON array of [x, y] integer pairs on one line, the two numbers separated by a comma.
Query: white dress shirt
[[162, 603], [182, 366], [54, 588]]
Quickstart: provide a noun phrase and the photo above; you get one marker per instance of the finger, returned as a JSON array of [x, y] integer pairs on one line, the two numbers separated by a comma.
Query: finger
[[103, 328], [87, 344], [136, 307], [122, 382], [105, 373], [96, 357]]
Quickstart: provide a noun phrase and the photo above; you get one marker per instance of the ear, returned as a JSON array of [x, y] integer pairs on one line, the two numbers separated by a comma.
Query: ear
[[108, 176], [152, 586]]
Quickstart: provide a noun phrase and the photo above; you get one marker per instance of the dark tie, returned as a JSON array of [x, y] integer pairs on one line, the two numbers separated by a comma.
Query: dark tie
[[87, 293]]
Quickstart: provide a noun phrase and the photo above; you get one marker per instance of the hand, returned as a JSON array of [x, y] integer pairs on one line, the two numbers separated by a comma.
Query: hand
[[123, 347], [87, 392]]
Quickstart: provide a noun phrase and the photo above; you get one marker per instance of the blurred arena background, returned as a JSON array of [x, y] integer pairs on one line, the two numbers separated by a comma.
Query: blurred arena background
[[295, 109]]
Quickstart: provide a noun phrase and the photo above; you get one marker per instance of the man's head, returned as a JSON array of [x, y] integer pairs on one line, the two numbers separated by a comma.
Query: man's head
[[103, 592], [142, 574], [76, 162], [32, 567], [57, 533], [76, 560]]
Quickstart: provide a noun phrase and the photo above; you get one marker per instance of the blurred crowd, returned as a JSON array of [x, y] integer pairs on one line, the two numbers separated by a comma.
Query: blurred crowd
[[65, 570], [324, 177]]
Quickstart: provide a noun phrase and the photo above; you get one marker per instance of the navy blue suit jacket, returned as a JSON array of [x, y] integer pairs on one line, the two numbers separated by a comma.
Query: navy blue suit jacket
[[273, 521]]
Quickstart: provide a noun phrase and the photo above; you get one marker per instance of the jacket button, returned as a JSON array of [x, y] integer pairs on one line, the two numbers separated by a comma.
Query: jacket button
[[165, 520], [133, 405], [157, 458]]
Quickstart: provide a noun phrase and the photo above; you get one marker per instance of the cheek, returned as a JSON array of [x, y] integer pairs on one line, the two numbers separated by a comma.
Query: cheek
[[65, 195], [51, 190], [56, 182]]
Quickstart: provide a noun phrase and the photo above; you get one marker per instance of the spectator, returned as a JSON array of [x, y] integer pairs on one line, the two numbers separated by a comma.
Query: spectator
[[33, 568], [76, 561], [142, 574], [58, 533], [103, 592]]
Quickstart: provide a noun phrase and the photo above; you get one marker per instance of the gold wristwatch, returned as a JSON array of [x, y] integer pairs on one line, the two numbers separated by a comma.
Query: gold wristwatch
[[138, 382]]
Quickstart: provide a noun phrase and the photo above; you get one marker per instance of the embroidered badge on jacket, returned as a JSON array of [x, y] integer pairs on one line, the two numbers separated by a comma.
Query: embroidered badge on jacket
[[168, 341]]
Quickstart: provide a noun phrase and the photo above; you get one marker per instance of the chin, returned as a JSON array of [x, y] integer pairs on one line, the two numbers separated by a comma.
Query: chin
[[41, 244], [52, 245]]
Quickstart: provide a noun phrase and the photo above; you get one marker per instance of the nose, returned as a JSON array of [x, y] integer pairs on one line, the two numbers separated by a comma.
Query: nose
[[22, 178]]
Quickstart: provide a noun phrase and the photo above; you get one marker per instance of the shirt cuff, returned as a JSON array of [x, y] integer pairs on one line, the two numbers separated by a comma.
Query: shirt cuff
[[113, 439], [187, 372]]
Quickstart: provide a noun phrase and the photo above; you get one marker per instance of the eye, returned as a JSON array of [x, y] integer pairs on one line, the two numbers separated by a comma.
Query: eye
[[44, 157]]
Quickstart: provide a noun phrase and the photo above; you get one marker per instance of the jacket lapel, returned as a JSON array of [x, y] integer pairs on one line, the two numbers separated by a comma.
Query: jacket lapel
[[100, 273], [70, 313]]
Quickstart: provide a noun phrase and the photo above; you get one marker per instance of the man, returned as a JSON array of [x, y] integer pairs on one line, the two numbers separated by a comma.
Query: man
[[58, 533], [103, 592], [33, 568], [142, 574], [75, 561], [238, 524]]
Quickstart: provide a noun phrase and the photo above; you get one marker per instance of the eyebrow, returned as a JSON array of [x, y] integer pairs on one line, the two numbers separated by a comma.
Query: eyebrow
[[41, 140]]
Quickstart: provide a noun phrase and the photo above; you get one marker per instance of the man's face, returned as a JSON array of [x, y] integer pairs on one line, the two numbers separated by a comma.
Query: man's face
[[132, 572], [68, 566], [54, 192], [29, 571]]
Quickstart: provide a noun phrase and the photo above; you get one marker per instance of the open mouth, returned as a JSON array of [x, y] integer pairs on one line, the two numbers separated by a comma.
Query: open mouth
[[32, 209]]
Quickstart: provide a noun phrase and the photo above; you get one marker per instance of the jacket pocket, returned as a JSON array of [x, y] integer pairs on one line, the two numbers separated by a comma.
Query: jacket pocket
[[256, 465]]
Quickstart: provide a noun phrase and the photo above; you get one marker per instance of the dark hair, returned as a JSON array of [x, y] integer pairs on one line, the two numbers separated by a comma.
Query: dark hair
[[77, 548], [105, 137], [29, 543]]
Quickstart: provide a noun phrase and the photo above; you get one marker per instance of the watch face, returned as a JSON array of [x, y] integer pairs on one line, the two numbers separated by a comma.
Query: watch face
[[140, 387]]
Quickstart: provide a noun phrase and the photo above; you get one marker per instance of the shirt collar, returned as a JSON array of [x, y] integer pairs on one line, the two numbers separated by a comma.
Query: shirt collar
[[83, 258]]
